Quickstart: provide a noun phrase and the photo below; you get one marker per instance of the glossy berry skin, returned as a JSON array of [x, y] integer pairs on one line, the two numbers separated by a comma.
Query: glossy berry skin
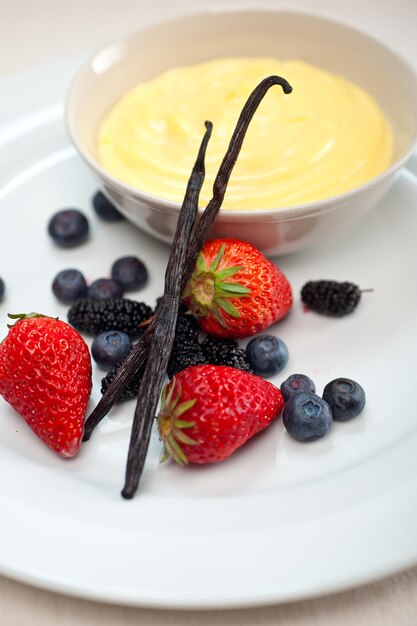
[[105, 209], [2, 289], [68, 228], [267, 355], [109, 347], [307, 417], [130, 272], [235, 291], [346, 398], [226, 407], [45, 374], [69, 285], [296, 383], [105, 289]]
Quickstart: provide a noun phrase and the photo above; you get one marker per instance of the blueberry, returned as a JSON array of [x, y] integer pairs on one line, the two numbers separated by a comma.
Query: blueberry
[[130, 272], [306, 416], [2, 289], [109, 347], [296, 383], [105, 289], [68, 228], [267, 355], [105, 209], [69, 286], [346, 398]]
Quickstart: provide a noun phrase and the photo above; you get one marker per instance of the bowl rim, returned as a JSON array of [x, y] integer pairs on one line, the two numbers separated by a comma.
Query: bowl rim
[[328, 204]]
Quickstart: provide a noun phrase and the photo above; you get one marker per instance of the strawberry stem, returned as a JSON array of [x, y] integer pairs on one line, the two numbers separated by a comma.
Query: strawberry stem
[[26, 316], [171, 428], [204, 289], [210, 289]]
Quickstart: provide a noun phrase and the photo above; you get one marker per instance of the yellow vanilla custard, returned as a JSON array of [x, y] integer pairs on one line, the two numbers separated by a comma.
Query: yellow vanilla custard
[[328, 136]]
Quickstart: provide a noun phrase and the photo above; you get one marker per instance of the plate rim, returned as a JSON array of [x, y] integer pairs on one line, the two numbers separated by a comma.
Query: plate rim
[[233, 602]]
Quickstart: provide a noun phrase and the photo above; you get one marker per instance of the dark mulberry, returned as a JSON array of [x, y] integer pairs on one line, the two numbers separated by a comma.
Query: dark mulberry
[[96, 316], [330, 297], [186, 350], [225, 352], [132, 388], [185, 353]]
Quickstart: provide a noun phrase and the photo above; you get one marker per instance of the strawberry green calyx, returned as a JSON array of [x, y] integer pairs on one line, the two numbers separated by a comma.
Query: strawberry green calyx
[[25, 316], [171, 426], [209, 289]]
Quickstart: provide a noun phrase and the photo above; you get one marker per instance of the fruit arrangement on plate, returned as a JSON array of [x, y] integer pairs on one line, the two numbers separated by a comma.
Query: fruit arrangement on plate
[[217, 293]]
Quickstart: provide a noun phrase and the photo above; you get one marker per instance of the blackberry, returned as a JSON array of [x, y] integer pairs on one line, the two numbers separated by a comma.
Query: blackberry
[[132, 388], [96, 316], [225, 352], [330, 297], [185, 353], [187, 327], [186, 350]]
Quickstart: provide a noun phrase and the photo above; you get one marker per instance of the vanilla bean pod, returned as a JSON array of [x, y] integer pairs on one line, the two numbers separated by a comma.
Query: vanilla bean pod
[[226, 167], [164, 325], [140, 350], [139, 353], [175, 278]]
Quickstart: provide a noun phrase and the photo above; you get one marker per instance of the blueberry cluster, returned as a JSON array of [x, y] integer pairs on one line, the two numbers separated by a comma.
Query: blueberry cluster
[[100, 308], [307, 416], [127, 274], [69, 228]]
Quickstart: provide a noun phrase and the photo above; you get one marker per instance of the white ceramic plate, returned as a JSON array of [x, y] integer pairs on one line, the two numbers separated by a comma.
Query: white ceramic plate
[[279, 520]]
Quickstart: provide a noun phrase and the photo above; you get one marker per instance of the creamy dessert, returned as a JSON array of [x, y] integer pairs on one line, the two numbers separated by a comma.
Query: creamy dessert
[[327, 137]]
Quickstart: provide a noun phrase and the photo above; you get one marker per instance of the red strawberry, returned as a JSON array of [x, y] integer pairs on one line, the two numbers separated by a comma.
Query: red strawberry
[[45, 374], [208, 411], [235, 291]]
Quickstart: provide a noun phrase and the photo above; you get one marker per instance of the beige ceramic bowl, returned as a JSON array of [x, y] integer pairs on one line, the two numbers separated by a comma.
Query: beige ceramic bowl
[[198, 37]]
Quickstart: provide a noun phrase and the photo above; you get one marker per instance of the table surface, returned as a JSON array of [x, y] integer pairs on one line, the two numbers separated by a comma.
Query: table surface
[[36, 31]]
